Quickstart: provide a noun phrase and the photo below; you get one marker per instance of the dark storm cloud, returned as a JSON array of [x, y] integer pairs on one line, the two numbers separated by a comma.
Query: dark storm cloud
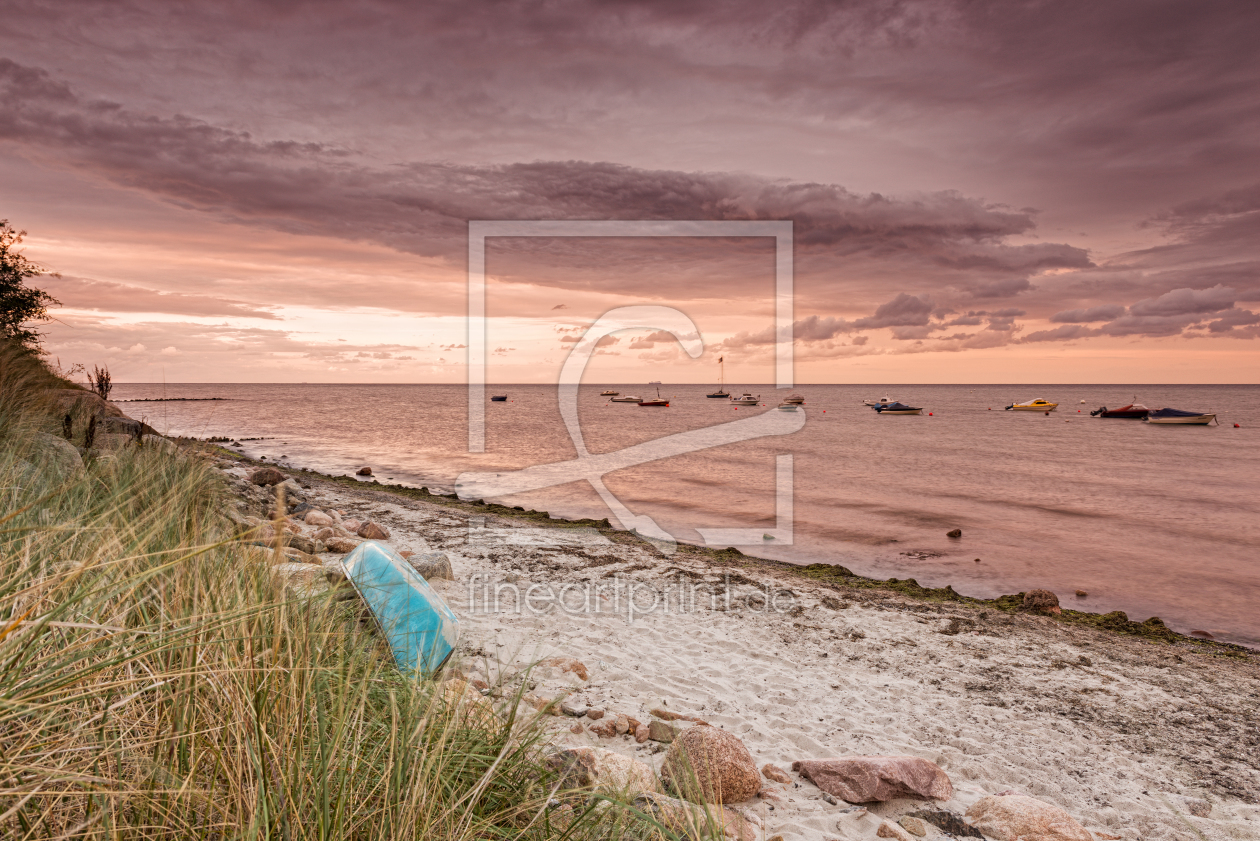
[[305, 187], [87, 294]]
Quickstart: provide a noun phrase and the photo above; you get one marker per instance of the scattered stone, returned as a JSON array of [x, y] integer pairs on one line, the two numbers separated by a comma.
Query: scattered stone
[[315, 517], [432, 566], [832, 604], [306, 544], [573, 708], [1080, 594], [947, 821], [351, 526], [829, 799], [862, 779], [621, 725], [912, 825], [691, 821], [363, 471], [372, 531], [661, 731], [667, 715], [605, 728], [567, 665], [955, 533], [713, 760], [602, 769], [888, 829], [775, 774], [594, 713], [1017, 817], [267, 476], [543, 705], [341, 545], [642, 733], [472, 709], [1041, 601]]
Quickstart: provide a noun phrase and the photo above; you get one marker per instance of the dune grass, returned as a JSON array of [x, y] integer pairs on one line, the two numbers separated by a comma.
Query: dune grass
[[155, 683]]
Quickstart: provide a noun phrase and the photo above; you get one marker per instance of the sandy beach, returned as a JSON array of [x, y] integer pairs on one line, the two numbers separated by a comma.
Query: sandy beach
[[1135, 738]]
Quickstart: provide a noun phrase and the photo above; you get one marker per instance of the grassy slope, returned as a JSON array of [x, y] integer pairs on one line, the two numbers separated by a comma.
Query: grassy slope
[[154, 683]]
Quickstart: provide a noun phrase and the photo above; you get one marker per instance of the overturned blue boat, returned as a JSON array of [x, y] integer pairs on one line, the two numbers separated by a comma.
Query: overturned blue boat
[[417, 623]]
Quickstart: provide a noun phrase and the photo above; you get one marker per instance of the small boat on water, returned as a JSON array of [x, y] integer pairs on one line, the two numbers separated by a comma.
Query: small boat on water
[[746, 399], [609, 393], [1038, 405], [787, 406], [629, 398], [498, 398], [1134, 411], [897, 408], [721, 392], [795, 399], [419, 626], [883, 401], [1178, 416], [659, 401], [654, 382]]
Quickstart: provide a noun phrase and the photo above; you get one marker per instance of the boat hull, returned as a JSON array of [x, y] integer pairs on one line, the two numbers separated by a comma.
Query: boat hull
[[653, 402], [624, 400], [721, 395], [1048, 407], [419, 626], [499, 399], [1196, 420], [901, 411]]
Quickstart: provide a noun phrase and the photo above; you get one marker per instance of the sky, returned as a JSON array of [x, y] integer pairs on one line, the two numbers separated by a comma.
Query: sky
[[980, 191]]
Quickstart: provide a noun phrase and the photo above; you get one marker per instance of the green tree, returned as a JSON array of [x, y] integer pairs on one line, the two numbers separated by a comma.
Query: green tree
[[20, 304]]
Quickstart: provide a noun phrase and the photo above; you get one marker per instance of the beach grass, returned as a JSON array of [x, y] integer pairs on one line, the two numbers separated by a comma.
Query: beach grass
[[156, 683]]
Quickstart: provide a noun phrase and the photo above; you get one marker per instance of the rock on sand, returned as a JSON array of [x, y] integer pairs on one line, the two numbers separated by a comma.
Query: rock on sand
[[722, 767], [862, 779], [1016, 816], [267, 476], [603, 769]]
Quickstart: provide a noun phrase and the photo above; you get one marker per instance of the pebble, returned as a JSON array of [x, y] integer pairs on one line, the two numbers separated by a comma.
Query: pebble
[[574, 708], [594, 713], [914, 826]]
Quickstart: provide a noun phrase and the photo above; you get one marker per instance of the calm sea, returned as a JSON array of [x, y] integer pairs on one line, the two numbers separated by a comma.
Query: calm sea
[[1152, 520]]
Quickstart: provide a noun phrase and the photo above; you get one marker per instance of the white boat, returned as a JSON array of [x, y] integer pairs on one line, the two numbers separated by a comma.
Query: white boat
[[609, 393], [795, 399], [654, 382], [1038, 405], [629, 398], [746, 399], [1178, 416], [883, 401]]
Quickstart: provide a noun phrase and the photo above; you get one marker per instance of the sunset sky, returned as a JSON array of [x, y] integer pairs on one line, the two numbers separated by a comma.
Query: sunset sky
[[981, 191]]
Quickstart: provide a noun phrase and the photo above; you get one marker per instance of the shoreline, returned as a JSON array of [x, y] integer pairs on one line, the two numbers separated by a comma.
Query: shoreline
[[1116, 622], [1136, 737]]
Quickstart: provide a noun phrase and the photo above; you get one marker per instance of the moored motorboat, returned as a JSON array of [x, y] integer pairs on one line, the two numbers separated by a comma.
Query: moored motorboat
[[498, 398], [1038, 405], [629, 398], [795, 399], [609, 393], [898, 408], [1134, 411], [746, 399], [883, 401], [1179, 416], [659, 401]]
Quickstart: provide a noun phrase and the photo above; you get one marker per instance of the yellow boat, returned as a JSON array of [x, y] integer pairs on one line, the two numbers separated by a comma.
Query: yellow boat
[[1037, 405]]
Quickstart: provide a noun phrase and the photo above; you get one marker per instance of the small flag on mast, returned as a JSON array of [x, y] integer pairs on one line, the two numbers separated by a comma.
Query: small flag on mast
[[719, 359]]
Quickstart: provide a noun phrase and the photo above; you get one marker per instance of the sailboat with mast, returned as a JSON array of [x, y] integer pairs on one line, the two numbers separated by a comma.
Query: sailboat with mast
[[721, 392]]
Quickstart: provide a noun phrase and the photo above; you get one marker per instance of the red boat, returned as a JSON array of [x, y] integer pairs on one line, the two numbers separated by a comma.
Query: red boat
[[1134, 411]]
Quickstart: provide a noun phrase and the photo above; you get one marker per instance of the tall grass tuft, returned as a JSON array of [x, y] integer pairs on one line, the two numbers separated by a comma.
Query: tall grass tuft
[[155, 683]]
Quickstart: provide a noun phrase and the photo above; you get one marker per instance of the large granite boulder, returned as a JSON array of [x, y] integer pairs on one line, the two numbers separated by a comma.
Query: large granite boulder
[[862, 779], [54, 459], [1017, 817], [432, 565], [711, 765]]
